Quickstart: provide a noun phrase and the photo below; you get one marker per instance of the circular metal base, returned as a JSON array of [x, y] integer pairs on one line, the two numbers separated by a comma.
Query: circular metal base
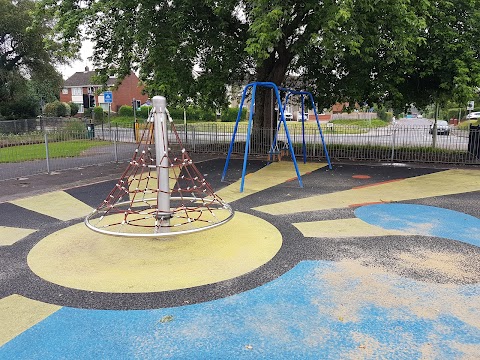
[[141, 218]]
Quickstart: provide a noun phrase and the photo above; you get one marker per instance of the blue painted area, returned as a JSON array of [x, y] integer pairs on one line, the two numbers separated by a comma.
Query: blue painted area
[[423, 220], [295, 316]]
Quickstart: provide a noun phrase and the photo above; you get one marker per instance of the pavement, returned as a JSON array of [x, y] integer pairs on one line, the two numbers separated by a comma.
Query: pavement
[[365, 261]]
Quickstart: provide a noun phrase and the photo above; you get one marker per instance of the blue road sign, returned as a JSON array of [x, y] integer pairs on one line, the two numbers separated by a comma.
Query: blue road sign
[[107, 97]]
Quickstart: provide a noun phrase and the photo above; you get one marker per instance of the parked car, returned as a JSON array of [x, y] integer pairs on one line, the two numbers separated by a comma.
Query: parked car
[[288, 115], [299, 116], [442, 128], [473, 115]]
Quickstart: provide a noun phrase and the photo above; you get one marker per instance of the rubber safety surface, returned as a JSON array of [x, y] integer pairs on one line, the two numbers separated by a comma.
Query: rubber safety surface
[[362, 262]]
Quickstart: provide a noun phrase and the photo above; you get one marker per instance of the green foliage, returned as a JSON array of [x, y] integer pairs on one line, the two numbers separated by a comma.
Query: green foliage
[[74, 107], [125, 110], [382, 114], [388, 116], [23, 108], [143, 111], [193, 113], [27, 74], [63, 109], [230, 115], [98, 114], [57, 108], [397, 51]]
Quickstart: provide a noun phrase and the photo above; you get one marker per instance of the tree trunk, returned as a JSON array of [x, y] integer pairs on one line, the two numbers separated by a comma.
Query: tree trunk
[[274, 70]]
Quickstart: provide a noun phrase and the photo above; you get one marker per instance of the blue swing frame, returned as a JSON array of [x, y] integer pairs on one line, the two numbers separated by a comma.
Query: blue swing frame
[[282, 120], [304, 146]]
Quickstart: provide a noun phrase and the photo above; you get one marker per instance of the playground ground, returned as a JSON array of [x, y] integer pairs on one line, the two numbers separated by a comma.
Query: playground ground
[[366, 261]]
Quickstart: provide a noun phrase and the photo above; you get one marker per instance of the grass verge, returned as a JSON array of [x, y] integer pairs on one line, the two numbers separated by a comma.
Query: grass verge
[[19, 153]]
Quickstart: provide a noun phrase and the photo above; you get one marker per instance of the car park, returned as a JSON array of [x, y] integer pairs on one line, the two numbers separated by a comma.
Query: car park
[[442, 128], [473, 115]]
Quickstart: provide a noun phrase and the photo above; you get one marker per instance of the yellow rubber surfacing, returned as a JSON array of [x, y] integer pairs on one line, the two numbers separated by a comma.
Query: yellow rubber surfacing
[[342, 228], [272, 175], [10, 235], [18, 314], [57, 204], [437, 184], [79, 258]]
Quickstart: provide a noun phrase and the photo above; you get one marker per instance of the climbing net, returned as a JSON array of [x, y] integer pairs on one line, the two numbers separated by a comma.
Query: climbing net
[[142, 203]]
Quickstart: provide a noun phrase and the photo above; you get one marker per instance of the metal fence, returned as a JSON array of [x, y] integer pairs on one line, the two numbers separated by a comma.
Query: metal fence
[[41, 152]]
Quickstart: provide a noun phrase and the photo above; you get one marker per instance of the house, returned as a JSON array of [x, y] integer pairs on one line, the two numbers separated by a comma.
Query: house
[[81, 83]]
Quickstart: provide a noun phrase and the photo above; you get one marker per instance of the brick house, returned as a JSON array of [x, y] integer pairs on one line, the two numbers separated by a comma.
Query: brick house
[[81, 83]]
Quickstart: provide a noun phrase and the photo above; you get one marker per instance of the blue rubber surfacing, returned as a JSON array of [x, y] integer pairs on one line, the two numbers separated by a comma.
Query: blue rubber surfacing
[[305, 314], [423, 220]]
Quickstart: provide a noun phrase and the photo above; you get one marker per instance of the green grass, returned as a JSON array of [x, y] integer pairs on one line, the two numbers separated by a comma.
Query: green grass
[[465, 125], [374, 123], [71, 148]]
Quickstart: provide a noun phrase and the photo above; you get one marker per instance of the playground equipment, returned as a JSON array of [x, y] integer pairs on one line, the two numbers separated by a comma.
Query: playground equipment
[[274, 146], [162, 194]]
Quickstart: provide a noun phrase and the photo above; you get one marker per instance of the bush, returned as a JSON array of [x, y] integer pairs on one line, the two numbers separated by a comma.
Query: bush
[[50, 109], [125, 110], [74, 107], [98, 113], [382, 114], [230, 115], [21, 109], [144, 110], [87, 112], [57, 108], [194, 113], [176, 113], [388, 117]]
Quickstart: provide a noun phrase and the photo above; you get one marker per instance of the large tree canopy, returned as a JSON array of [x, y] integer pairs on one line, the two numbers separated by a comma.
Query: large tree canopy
[[27, 71], [361, 50]]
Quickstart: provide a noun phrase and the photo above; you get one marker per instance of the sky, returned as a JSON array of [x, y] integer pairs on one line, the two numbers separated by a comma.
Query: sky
[[78, 65]]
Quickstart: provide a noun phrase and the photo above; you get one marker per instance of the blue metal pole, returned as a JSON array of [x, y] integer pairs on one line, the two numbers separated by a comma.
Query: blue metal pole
[[239, 115], [304, 146], [249, 131], [320, 131], [288, 137]]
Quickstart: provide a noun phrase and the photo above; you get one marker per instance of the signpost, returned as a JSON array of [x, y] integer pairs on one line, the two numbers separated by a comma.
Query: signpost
[[470, 105], [108, 98]]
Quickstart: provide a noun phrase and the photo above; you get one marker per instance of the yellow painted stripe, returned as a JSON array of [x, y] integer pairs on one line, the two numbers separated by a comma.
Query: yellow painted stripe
[[272, 175], [18, 313], [437, 184], [10, 235], [343, 228], [58, 204]]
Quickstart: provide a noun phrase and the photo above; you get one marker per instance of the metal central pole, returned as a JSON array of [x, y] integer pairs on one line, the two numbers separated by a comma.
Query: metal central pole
[[161, 156]]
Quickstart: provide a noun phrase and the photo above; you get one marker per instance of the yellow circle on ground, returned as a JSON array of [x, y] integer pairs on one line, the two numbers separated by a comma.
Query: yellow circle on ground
[[80, 258]]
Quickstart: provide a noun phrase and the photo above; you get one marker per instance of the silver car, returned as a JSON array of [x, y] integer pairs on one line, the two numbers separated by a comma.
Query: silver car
[[473, 115], [442, 128]]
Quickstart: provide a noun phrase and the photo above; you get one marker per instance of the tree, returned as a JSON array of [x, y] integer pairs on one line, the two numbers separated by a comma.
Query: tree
[[27, 56], [360, 50], [447, 63]]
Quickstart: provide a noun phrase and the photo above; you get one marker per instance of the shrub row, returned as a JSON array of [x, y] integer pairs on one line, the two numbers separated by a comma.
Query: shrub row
[[58, 108]]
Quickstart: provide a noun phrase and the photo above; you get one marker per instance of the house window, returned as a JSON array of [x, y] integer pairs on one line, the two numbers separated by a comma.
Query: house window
[[64, 91], [104, 106], [81, 110], [77, 91], [91, 90]]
